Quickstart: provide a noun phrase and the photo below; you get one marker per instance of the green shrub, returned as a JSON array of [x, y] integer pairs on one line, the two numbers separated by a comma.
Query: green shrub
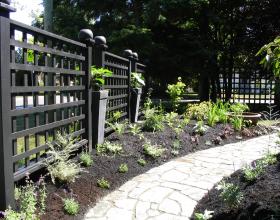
[[59, 165], [239, 108], [230, 194], [152, 150], [141, 162], [118, 127], [108, 147], [103, 183], [86, 159], [123, 168], [71, 206], [175, 91], [198, 111], [171, 118]]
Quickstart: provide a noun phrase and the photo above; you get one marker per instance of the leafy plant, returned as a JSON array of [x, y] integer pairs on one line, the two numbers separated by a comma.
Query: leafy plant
[[71, 206], [98, 75], [176, 145], [103, 183], [135, 129], [222, 111], [108, 147], [59, 165], [86, 159], [239, 108], [31, 200], [141, 162], [212, 116], [175, 91], [153, 120], [117, 126], [200, 128], [123, 168], [198, 111], [152, 150], [204, 216], [137, 80], [269, 159], [271, 56], [170, 118], [230, 194], [237, 123]]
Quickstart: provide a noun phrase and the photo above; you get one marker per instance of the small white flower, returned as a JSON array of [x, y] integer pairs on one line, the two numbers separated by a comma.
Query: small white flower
[[208, 214], [267, 57]]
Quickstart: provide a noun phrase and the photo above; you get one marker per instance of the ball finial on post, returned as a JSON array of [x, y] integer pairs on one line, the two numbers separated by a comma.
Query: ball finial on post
[[100, 41], [135, 55], [127, 53], [86, 35]]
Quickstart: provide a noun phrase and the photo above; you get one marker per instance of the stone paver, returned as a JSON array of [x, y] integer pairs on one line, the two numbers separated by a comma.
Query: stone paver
[[172, 190]]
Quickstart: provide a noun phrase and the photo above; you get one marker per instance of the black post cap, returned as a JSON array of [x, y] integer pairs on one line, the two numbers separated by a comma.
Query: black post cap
[[86, 35], [127, 53], [135, 55], [100, 41]]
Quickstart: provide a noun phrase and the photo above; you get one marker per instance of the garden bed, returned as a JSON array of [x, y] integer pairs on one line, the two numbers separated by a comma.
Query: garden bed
[[85, 189], [260, 197]]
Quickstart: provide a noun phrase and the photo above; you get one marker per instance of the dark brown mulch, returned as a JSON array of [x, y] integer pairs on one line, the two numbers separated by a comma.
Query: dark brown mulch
[[261, 197], [85, 189]]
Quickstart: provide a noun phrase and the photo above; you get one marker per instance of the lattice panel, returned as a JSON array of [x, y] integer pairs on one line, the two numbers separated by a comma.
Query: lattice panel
[[118, 85], [252, 87], [47, 93]]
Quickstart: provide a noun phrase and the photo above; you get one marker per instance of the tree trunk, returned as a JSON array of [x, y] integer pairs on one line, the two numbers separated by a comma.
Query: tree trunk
[[48, 15]]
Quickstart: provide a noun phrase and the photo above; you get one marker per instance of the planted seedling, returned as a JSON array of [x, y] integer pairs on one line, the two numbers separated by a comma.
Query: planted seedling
[[108, 148], [86, 159], [141, 162], [135, 129], [200, 128], [103, 183], [123, 168], [71, 206], [230, 194], [152, 150]]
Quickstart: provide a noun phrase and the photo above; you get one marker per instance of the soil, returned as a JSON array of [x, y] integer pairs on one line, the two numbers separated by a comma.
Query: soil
[[261, 198], [85, 189]]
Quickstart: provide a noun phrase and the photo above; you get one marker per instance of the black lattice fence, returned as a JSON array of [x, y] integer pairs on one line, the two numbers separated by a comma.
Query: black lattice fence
[[255, 88], [118, 85], [43, 91]]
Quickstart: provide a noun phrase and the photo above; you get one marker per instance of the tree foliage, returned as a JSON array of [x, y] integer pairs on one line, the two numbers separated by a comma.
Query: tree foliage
[[197, 39]]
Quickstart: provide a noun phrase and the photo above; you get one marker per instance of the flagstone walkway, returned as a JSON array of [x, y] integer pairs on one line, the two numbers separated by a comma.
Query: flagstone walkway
[[172, 190]]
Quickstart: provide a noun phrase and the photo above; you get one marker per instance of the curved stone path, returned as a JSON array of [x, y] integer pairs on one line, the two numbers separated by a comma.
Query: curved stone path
[[172, 190]]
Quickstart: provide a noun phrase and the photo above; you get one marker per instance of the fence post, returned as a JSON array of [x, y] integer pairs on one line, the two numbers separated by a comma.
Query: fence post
[[99, 98], [6, 153], [134, 93], [86, 36]]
